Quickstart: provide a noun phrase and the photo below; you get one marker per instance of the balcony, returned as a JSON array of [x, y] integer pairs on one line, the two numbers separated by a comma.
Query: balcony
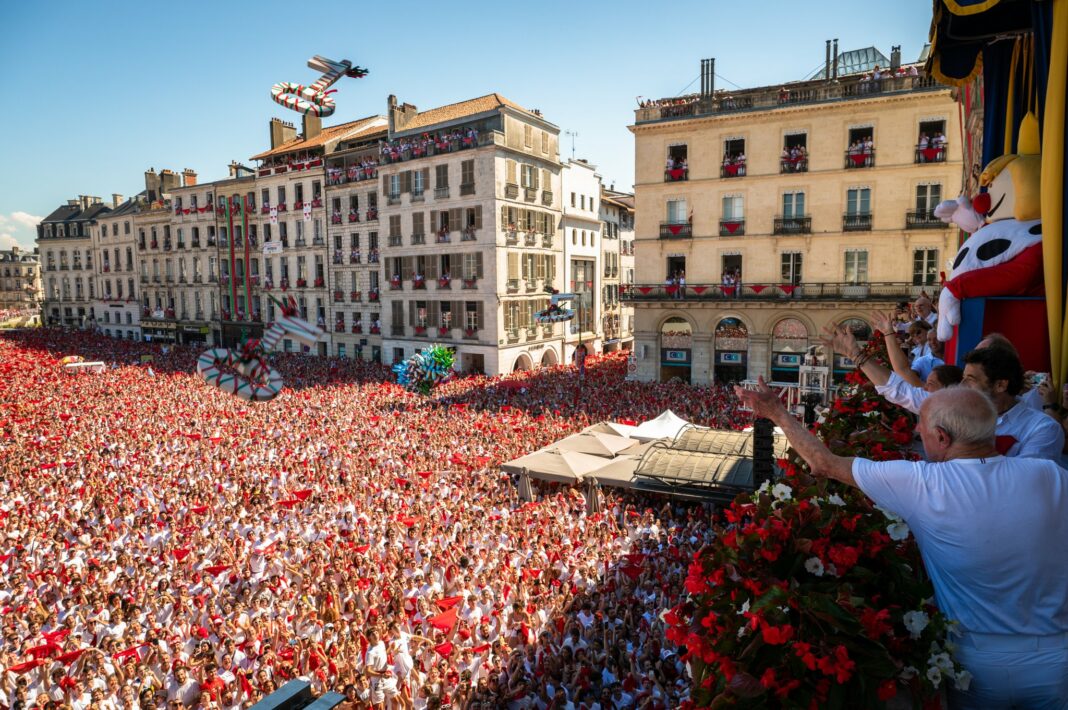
[[731, 227], [530, 238], [354, 216], [395, 284], [441, 193], [442, 237], [372, 215], [444, 331], [444, 282], [470, 333], [512, 285], [512, 334], [854, 160], [418, 239], [547, 241], [420, 331], [930, 154], [511, 190], [355, 296], [546, 198], [419, 282], [792, 225], [372, 295], [769, 291], [676, 174], [676, 230], [511, 237], [794, 165], [733, 170], [418, 196], [393, 200], [471, 283], [923, 219], [467, 188], [856, 222], [397, 330], [395, 240], [469, 235], [530, 194]]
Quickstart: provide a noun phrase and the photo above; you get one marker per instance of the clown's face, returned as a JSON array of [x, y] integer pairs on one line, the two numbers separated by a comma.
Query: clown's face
[[1002, 194]]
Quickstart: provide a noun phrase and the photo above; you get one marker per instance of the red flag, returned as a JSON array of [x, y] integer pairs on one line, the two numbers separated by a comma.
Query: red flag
[[180, 553], [448, 602], [444, 649], [445, 620], [481, 649], [304, 494], [25, 666], [199, 509], [289, 504], [631, 571], [70, 657], [216, 570]]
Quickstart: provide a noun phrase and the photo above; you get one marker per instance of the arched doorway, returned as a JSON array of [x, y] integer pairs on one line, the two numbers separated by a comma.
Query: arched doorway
[[548, 359], [522, 363], [789, 340], [676, 349], [732, 350], [862, 332]]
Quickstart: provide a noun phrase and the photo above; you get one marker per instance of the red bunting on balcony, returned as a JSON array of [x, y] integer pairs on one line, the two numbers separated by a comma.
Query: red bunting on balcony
[[787, 288], [731, 227], [645, 290], [676, 173], [930, 154], [675, 228], [731, 169], [757, 288], [699, 289], [728, 290], [858, 158], [671, 289]]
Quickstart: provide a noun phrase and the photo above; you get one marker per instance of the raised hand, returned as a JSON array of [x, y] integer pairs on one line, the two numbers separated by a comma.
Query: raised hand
[[762, 400]]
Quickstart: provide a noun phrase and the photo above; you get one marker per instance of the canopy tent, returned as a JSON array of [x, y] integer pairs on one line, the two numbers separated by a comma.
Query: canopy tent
[[666, 426], [1014, 54], [556, 466], [618, 472], [715, 441], [595, 444], [610, 428]]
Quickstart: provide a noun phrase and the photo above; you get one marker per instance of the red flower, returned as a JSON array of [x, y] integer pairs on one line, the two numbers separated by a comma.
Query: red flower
[[777, 635], [804, 652], [844, 557], [876, 623], [768, 679], [887, 690]]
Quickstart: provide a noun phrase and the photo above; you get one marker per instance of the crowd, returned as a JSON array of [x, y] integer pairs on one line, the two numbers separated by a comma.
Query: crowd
[[393, 151], [167, 544], [364, 169]]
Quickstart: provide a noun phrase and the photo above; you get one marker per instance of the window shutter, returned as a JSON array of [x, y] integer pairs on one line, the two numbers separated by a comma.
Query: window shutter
[[478, 216], [406, 181], [510, 171], [385, 185], [433, 226], [513, 265], [534, 177], [504, 217], [546, 182], [411, 313], [426, 178], [456, 219], [432, 269], [478, 313], [541, 267]]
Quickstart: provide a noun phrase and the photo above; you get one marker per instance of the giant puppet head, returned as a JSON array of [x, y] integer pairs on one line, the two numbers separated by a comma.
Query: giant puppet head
[[1003, 257]]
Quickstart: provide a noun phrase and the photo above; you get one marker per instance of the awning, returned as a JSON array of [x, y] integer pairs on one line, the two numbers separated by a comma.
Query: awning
[[595, 444], [556, 466]]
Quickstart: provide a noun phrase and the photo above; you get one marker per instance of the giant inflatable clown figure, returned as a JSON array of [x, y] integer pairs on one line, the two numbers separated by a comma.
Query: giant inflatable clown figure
[[1003, 256]]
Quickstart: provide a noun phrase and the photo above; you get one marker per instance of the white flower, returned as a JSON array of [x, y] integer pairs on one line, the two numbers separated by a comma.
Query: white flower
[[916, 622], [743, 631], [744, 609], [908, 673], [782, 492], [889, 514], [764, 487], [814, 565], [943, 662], [934, 675], [897, 530], [835, 499], [963, 680], [874, 414]]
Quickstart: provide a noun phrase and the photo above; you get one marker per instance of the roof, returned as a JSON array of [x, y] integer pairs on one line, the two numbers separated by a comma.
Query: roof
[[716, 441], [92, 212], [348, 130], [62, 214], [462, 109]]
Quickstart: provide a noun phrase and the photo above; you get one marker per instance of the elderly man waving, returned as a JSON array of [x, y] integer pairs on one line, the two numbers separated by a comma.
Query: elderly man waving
[[990, 530]]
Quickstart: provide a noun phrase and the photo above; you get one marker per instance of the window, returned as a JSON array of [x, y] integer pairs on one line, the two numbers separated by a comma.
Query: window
[[858, 201], [734, 148], [528, 136], [791, 268], [544, 141], [572, 199], [927, 198], [441, 176], [856, 266], [394, 185], [418, 182], [793, 204], [733, 207], [676, 157], [933, 131], [924, 267], [467, 172], [265, 196], [281, 195], [676, 211], [528, 176]]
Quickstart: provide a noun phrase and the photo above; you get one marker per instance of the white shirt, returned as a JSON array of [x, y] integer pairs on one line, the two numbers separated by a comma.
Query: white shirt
[[991, 534], [1034, 434]]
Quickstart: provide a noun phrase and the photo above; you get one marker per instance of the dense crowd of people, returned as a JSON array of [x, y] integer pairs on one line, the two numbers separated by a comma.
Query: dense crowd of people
[[168, 544]]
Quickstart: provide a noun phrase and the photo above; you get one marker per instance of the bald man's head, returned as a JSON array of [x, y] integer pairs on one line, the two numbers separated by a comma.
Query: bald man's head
[[968, 416]]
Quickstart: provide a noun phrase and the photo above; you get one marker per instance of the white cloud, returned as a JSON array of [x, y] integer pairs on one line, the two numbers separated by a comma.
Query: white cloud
[[7, 241], [26, 219]]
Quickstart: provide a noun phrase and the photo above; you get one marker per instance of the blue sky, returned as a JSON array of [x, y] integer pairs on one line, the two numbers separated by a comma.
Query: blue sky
[[101, 91]]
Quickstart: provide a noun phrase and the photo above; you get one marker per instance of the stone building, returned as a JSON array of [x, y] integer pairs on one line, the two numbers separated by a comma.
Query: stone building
[[20, 281], [65, 244]]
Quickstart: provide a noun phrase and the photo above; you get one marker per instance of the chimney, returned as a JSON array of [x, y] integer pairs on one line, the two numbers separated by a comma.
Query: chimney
[[116, 199], [83, 200], [152, 185], [169, 181], [827, 61], [281, 132], [399, 116], [313, 126], [189, 177], [834, 73], [895, 57], [233, 168]]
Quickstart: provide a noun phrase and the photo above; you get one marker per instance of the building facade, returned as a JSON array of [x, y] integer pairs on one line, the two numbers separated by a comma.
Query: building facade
[[114, 243], [584, 255], [617, 257], [20, 281], [765, 215], [65, 243]]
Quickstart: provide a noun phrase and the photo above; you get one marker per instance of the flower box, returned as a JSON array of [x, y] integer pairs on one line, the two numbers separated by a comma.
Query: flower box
[[470, 332], [470, 283], [338, 296], [372, 295], [357, 328], [302, 283], [354, 296], [444, 282], [335, 219], [319, 283], [376, 330], [443, 332], [317, 202], [281, 207], [298, 205], [266, 209], [420, 330], [394, 283], [339, 327]]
